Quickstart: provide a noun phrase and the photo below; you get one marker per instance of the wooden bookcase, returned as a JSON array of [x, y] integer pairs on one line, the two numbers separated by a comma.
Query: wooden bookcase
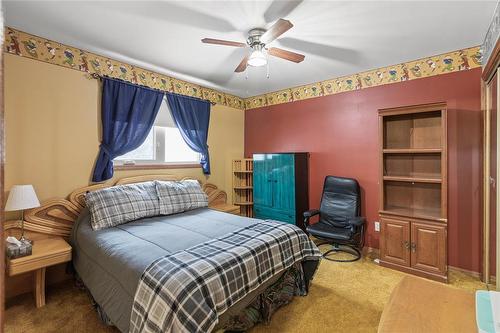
[[413, 190], [243, 186]]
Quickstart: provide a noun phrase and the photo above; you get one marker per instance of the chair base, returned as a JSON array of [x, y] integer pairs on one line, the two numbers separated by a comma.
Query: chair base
[[346, 249]]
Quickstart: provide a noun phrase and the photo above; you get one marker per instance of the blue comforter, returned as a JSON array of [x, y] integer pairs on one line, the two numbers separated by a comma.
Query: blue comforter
[[110, 262]]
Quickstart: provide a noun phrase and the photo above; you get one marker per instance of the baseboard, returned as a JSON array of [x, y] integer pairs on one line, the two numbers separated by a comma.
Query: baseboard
[[374, 252], [472, 274], [467, 272], [370, 251], [417, 272]]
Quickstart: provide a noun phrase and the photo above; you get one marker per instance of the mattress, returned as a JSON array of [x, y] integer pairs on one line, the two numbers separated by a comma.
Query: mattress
[[110, 262]]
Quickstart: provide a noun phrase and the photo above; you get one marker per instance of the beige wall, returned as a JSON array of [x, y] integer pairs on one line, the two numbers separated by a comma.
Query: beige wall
[[52, 129]]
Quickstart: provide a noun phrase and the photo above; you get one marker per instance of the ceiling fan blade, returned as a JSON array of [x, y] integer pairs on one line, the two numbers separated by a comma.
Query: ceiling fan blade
[[222, 42], [280, 8], [177, 12], [339, 53], [278, 28], [284, 54], [242, 66]]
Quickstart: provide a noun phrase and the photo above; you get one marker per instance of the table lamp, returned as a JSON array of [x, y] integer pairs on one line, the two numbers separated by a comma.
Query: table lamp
[[22, 197]]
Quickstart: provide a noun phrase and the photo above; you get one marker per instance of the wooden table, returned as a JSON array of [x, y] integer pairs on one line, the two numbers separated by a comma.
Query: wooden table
[[46, 252], [227, 208]]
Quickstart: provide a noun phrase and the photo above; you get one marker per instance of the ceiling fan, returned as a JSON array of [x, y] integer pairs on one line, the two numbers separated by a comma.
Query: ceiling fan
[[257, 40]]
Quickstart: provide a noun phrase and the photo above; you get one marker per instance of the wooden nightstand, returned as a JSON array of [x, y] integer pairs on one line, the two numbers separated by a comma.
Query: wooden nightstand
[[227, 208], [46, 252]]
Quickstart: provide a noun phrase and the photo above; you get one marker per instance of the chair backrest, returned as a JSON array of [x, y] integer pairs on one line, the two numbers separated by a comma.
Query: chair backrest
[[341, 201]]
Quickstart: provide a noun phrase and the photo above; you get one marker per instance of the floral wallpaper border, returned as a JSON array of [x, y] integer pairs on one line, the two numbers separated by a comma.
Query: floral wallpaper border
[[441, 64], [34, 47], [38, 48]]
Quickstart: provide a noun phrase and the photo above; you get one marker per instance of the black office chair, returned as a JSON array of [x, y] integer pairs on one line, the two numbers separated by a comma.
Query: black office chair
[[339, 222]]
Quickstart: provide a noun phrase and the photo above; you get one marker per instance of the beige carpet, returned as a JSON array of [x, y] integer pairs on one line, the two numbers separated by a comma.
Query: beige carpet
[[344, 297]]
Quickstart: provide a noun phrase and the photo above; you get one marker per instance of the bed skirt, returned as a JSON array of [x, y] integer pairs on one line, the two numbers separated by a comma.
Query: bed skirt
[[295, 281]]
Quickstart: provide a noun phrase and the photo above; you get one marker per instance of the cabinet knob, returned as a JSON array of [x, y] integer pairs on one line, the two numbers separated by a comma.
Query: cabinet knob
[[413, 247], [406, 244]]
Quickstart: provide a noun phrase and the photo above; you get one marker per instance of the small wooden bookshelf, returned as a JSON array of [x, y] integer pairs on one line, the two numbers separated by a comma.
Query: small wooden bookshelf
[[243, 186], [413, 190]]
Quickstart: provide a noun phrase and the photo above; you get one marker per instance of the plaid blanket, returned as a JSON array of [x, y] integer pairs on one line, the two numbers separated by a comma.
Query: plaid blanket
[[188, 290]]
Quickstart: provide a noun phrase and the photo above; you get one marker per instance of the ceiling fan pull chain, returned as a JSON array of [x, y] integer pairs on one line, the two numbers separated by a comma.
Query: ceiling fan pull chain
[[267, 68], [246, 77]]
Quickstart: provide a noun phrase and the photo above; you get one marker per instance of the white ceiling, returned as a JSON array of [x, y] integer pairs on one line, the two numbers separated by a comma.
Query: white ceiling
[[337, 37]]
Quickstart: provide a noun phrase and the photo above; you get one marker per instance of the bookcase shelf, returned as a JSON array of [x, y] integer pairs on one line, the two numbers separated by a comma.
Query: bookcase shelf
[[412, 151], [427, 214], [413, 179], [420, 166], [417, 130], [413, 197], [243, 186]]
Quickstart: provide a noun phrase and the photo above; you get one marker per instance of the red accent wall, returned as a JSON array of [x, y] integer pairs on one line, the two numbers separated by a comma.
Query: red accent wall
[[341, 133]]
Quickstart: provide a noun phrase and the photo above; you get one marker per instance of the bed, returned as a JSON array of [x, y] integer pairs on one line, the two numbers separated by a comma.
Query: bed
[[110, 262]]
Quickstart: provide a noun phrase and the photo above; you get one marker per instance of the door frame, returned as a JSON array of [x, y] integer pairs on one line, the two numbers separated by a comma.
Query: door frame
[[2, 193], [486, 180], [490, 66]]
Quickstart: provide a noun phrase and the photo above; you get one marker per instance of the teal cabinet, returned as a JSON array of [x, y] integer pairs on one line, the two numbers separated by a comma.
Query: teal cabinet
[[281, 186]]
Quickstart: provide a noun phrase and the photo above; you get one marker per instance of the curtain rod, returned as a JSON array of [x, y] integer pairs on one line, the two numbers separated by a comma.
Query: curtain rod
[[101, 77]]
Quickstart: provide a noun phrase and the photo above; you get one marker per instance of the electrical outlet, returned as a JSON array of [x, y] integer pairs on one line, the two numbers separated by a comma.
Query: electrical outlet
[[377, 226]]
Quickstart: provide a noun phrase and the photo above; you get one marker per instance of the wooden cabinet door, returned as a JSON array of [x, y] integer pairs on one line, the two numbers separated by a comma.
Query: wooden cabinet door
[[428, 247], [283, 180], [262, 174], [395, 241]]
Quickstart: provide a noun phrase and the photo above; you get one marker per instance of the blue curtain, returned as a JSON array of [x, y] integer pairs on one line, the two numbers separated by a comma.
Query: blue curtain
[[128, 112], [192, 115]]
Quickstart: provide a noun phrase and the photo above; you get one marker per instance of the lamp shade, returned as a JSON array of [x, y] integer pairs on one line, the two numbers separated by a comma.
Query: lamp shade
[[21, 197]]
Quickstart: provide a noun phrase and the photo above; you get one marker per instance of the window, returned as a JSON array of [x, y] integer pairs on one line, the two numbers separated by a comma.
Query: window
[[163, 145]]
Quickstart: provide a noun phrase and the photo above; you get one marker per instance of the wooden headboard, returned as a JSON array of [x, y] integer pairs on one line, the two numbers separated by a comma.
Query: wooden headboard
[[55, 217]]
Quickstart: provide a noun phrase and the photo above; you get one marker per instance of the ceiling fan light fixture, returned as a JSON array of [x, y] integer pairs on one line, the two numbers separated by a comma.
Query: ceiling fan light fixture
[[257, 59], [257, 40]]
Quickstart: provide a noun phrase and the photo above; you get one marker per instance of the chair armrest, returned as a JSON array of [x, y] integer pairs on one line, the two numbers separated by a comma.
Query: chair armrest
[[357, 221], [308, 214], [311, 213]]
